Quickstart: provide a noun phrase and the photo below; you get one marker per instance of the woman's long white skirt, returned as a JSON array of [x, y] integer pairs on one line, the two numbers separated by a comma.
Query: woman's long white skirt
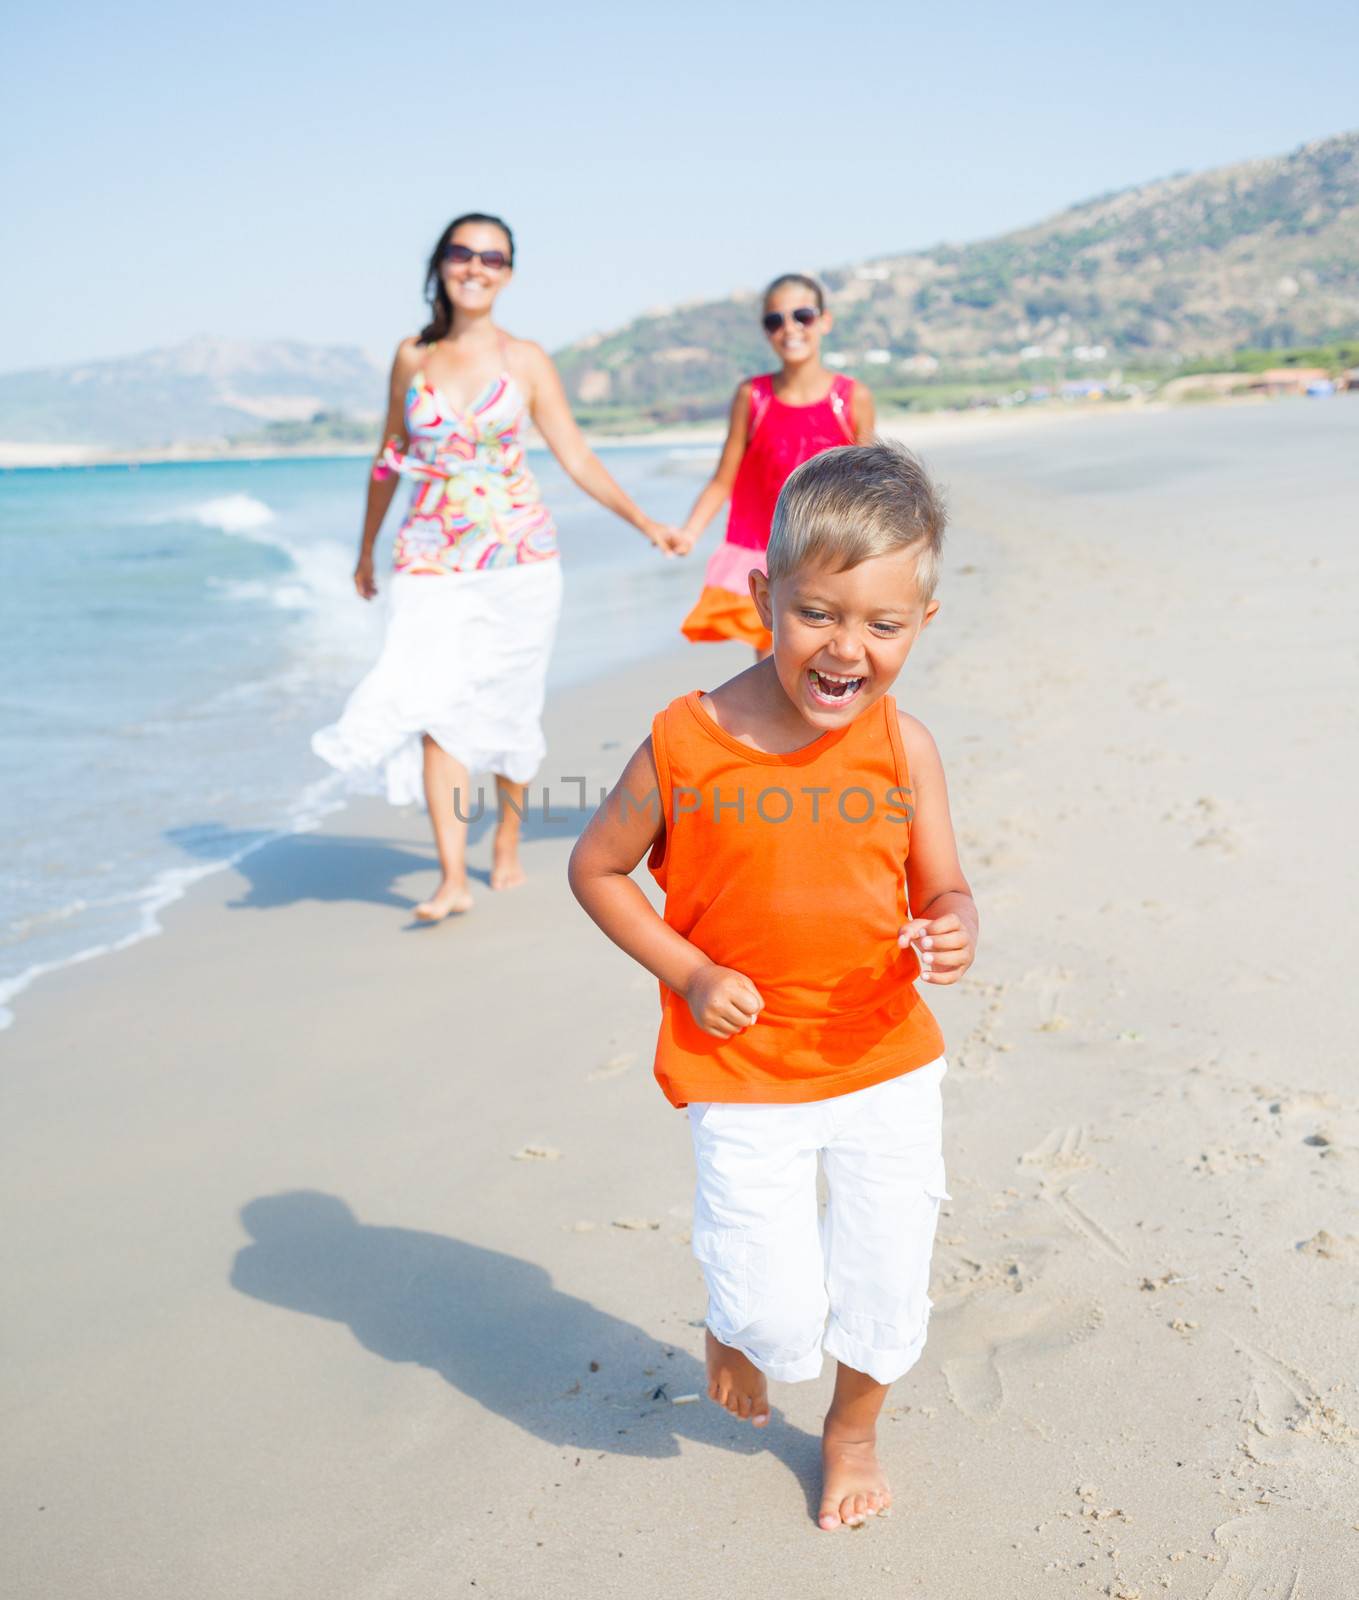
[[465, 661]]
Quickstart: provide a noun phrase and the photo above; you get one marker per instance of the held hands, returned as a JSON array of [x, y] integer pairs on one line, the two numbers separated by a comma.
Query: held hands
[[364, 581], [669, 541], [944, 947], [722, 1002]]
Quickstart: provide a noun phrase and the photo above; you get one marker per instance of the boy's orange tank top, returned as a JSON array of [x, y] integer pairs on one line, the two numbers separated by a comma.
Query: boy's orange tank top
[[790, 869]]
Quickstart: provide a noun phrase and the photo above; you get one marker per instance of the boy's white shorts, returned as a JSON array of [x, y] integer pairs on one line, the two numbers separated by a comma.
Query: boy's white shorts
[[774, 1270]]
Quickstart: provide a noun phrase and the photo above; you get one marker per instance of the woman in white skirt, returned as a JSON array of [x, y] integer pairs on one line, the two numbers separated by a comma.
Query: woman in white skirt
[[477, 584]]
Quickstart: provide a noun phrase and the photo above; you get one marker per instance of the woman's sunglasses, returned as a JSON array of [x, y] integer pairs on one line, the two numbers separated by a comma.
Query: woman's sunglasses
[[493, 260], [804, 316]]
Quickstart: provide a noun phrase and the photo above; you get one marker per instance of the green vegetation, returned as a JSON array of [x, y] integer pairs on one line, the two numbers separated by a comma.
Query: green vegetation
[[323, 429], [942, 396], [1253, 263], [1334, 358]]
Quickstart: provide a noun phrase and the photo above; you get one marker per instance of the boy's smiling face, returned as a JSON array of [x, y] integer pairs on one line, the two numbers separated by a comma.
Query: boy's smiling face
[[841, 638]]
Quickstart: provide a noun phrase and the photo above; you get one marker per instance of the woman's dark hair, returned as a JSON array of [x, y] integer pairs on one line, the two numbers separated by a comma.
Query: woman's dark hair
[[791, 280], [441, 319]]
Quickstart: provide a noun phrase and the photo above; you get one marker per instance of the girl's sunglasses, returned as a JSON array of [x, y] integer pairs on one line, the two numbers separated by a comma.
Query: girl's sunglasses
[[804, 316], [493, 260]]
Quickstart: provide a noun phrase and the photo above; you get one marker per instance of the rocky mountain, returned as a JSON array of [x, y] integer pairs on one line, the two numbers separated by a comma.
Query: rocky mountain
[[1185, 269], [204, 391], [1264, 252]]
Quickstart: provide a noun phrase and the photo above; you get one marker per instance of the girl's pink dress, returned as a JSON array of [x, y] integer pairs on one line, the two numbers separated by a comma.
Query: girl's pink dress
[[780, 437]]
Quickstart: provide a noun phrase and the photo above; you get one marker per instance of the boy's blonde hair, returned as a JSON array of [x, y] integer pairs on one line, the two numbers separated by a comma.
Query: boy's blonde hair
[[847, 505]]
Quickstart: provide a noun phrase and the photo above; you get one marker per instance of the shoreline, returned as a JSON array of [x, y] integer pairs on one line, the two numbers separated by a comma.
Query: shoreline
[[17, 457], [168, 886], [326, 796]]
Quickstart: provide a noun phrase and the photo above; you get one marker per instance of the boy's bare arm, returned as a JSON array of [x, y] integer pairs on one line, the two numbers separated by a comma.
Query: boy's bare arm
[[943, 924], [616, 838]]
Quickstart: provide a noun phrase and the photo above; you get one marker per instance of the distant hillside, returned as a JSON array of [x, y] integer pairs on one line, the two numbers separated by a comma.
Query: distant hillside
[[205, 391], [1264, 253]]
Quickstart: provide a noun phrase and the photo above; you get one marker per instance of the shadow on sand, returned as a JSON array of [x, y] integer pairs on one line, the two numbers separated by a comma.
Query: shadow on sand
[[336, 868], [495, 1328], [329, 867]]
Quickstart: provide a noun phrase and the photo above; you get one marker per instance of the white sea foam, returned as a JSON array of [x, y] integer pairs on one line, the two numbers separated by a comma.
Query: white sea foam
[[232, 513], [319, 582], [316, 802], [319, 579], [335, 636]]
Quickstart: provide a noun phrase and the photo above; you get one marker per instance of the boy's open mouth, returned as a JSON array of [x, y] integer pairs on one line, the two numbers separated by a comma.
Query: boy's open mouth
[[830, 689]]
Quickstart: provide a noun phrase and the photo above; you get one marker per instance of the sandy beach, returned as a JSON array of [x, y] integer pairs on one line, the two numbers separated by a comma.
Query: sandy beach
[[349, 1259]]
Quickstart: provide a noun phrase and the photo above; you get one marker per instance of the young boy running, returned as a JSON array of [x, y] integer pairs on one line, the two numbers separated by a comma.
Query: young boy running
[[799, 826]]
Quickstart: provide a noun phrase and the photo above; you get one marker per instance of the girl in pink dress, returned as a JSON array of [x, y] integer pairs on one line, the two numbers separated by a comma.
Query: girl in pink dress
[[778, 421]]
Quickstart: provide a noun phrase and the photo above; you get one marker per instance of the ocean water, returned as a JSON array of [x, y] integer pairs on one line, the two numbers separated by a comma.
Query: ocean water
[[172, 635]]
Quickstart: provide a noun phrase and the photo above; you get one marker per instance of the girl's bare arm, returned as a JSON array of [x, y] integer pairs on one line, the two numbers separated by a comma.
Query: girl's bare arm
[[717, 491], [863, 413]]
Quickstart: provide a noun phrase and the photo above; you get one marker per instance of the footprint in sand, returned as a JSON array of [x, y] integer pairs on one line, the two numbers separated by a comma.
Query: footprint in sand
[[1062, 1150], [976, 1055], [1155, 696], [1266, 1555], [1283, 1400], [975, 1386], [1048, 984], [1079, 1220], [613, 1067], [1216, 1160], [975, 1379], [1286, 1103], [1293, 1435], [1208, 826], [1326, 1246]]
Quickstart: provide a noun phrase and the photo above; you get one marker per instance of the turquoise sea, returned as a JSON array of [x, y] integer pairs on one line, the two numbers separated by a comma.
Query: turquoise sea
[[173, 634]]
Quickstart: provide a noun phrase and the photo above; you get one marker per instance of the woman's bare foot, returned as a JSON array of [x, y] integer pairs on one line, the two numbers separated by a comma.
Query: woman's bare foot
[[451, 897], [507, 871], [736, 1382], [853, 1486]]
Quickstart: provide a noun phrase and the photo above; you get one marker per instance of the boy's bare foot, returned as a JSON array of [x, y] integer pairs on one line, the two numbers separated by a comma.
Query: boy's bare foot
[[736, 1382], [853, 1486], [507, 871], [449, 898]]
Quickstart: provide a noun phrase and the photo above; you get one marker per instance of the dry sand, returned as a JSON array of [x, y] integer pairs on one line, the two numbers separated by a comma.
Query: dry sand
[[349, 1260]]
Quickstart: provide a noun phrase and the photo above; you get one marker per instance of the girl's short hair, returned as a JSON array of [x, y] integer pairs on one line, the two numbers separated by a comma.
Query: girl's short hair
[[791, 280], [850, 504]]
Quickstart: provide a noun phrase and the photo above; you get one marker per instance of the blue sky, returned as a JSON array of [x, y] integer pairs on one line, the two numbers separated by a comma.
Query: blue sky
[[282, 171]]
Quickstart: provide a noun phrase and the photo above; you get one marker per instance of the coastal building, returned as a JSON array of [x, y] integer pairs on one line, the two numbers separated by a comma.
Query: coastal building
[[1083, 389]]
